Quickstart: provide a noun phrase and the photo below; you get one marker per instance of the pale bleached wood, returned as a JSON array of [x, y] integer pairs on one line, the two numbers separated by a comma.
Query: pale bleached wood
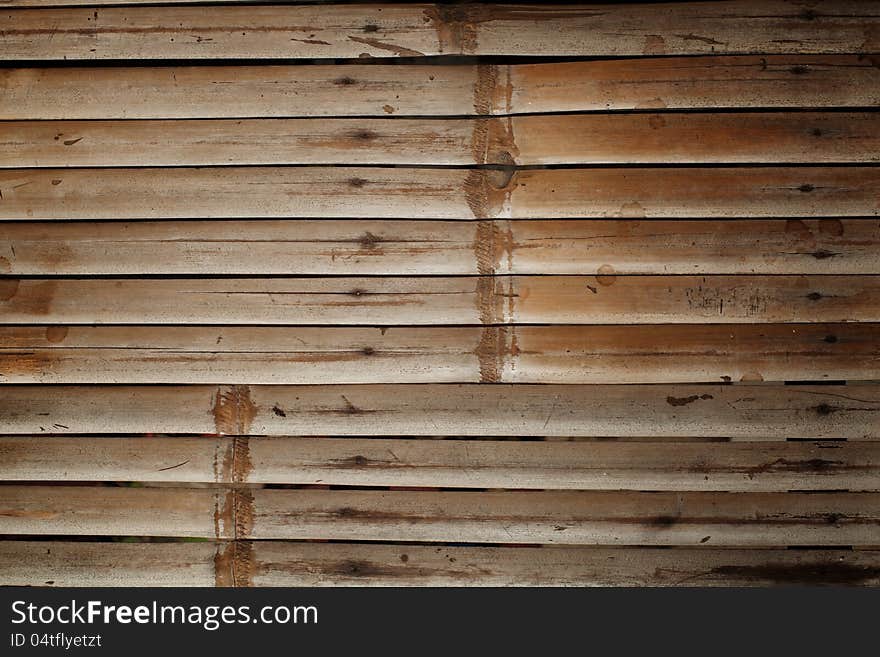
[[518, 354], [673, 466], [60, 563], [288, 91], [823, 246], [734, 411], [541, 517], [803, 137], [278, 563], [347, 192], [602, 299], [391, 30], [328, 564], [103, 511]]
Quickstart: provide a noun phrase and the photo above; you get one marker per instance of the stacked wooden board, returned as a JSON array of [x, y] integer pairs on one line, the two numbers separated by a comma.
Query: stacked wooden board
[[449, 294]]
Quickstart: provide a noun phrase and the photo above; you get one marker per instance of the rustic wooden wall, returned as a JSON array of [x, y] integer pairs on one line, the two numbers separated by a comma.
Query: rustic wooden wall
[[439, 294]]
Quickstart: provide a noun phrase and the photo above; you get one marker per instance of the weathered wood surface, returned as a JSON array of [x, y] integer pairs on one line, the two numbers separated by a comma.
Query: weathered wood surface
[[323, 564], [412, 30], [733, 411], [802, 137], [400, 247], [515, 354], [794, 81], [603, 299], [537, 517], [61, 563], [673, 466], [276, 563], [429, 193]]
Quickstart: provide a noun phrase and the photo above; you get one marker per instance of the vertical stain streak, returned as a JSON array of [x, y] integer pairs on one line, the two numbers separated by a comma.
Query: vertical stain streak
[[233, 410]]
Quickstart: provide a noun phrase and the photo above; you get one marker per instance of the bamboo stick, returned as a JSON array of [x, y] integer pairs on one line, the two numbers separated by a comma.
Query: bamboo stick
[[276, 563], [413, 30], [542, 517], [518, 354], [328, 564], [400, 247], [61, 563], [797, 81], [678, 466], [803, 137], [602, 299], [733, 411], [348, 192]]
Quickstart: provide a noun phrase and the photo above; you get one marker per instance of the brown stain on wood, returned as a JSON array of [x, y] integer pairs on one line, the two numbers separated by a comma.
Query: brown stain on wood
[[56, 334], [823, 573], [495, 345], [233, 410], [491, 94], [30, 515], [684, 401], [28, 297], [456, 26], [487, 191], [241, 459], [234, 564], [8, 288]]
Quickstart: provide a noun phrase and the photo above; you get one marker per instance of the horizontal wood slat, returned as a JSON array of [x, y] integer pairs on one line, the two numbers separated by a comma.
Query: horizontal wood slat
[[798, 81], [542, 517], [61, 563], [734, 411], [362, 247], [310, 564], [518, 354], [346, 192], [602, 299], [275, 563], [707, 466], [804, 137], [406, 30]]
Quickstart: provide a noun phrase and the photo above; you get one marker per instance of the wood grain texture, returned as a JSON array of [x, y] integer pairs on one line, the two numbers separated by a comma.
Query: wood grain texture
[[277, 563], [311, 564], [358, 192], [672, 466], [732, 411], [802, 137], [516, 354], [537, 517], [60, 563], [795, 81], [412, 30], [602, 299], [401, 247]]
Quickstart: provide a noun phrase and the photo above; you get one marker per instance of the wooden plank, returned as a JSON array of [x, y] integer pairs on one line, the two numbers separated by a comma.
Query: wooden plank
[[400, 247], [567, 518], [329, 564], [277, 563], [414, 30], [436, 193], [798, 81], [651, 138], [602, 299], [358, 192], [536, 517], [675, 466], [61, 563], [733, 411], [518, 354]]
